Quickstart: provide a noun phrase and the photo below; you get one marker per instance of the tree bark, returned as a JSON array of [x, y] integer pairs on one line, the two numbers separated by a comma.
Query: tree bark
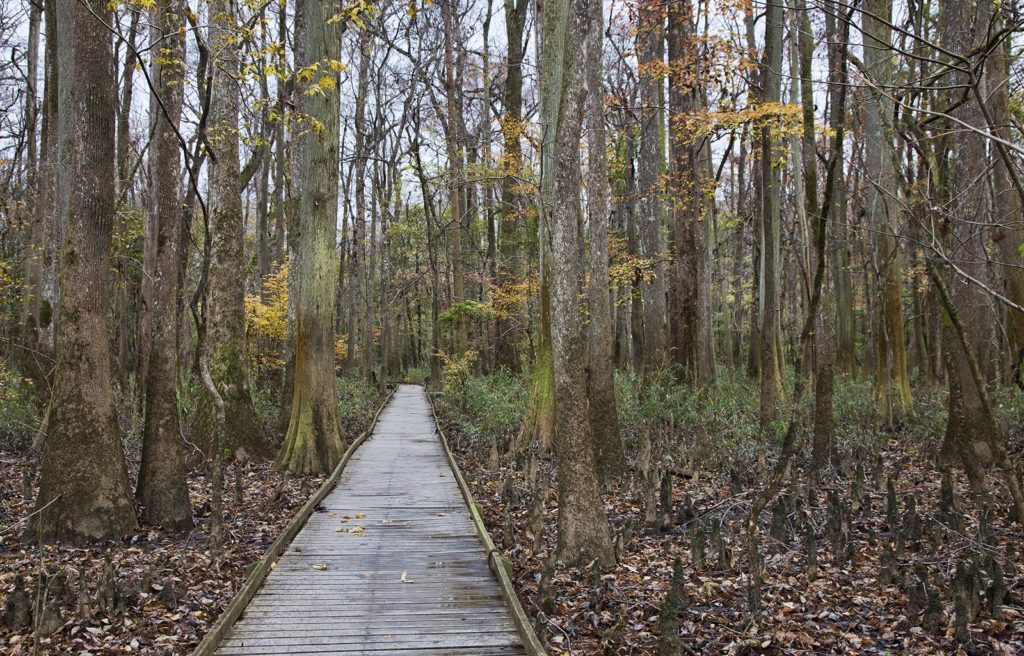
[[892, 379], [650, 56], [1009, 234], [583, 531], [693, 347], [968, 423], [83, 487], [454, 170], [771, 79], [314, 441], [225, 301], [604, 420], [162, 488], [41, 285], [510, 230]]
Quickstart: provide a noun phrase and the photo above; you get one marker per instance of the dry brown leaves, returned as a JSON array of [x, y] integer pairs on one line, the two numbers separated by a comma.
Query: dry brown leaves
[[845, 610], [169, 588]]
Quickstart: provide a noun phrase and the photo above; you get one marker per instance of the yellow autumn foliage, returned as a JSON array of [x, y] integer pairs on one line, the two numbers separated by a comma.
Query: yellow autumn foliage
[[266, 320]]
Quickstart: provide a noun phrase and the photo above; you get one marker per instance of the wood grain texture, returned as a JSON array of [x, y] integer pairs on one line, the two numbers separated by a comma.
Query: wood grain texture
[[390, 561]]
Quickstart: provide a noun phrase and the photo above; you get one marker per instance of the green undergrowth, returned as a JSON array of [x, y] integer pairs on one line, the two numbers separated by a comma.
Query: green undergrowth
[[485, 408], [358, 401], [715, 427]]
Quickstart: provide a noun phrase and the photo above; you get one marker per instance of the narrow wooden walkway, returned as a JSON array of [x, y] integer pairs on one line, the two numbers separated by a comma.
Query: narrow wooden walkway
[[390, 564]]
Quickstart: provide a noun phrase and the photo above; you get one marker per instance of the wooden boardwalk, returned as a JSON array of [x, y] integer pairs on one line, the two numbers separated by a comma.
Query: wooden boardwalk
[[390, 563]]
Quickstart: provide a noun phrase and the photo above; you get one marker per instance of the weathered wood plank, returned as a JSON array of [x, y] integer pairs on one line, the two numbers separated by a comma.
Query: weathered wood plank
[[397, 509]]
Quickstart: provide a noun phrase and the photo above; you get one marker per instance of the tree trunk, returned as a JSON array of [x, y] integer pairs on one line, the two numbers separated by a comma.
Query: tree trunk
[[604, 421], [314, 442], [1009, 234], [771, 79], [294, 223], [454, 170], [41, 284], [83, 487], [162, 488], [892, 378], [650, 56], [357, 255], [693, 348], [583, 531], [968, 422], [512, 161], [225, 301]]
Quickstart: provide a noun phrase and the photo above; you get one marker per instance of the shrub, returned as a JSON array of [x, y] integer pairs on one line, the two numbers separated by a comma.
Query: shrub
[[357, 402], [491, 408]]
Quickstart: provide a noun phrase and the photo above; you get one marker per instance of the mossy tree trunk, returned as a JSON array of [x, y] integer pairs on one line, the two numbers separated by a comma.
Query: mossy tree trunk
[[83, 488], [314, 443], [225, 301], [583, 531], [162, 489]]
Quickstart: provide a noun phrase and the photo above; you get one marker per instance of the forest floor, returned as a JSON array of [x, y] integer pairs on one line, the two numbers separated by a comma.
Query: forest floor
[[167, 589], [859, 597], [155, 592]]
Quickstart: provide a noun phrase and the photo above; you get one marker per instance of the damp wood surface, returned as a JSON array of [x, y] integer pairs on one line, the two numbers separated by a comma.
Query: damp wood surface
[[390, 562]]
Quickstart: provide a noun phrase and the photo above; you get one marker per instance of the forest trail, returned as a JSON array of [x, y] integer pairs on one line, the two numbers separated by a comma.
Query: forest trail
[[390, 563]]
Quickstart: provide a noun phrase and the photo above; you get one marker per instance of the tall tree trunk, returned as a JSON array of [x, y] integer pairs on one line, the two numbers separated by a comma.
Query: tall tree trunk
[[162, 489], [583, 531], [314, 441], [510, 230], [693, 348], [650, 56], [454, 168], [1010, 232], [41, 285], [263, 235], [83, 486], [432, 255], [280, 147], [754, 208], [604, 420], [35, 19], [771, 80], [636, 310], [837, 29], [225, 301], [297, 87], [823, 338], [962, 23], [124, 285], [892, 378], [368, 290], [358, 254], [539, 420]]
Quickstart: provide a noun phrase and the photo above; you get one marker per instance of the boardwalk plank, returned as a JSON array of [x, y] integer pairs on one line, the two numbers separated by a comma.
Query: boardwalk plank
[[397, 509]]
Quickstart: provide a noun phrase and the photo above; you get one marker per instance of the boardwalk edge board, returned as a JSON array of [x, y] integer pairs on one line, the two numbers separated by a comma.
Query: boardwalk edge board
[[495, 558], [215, 636]]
